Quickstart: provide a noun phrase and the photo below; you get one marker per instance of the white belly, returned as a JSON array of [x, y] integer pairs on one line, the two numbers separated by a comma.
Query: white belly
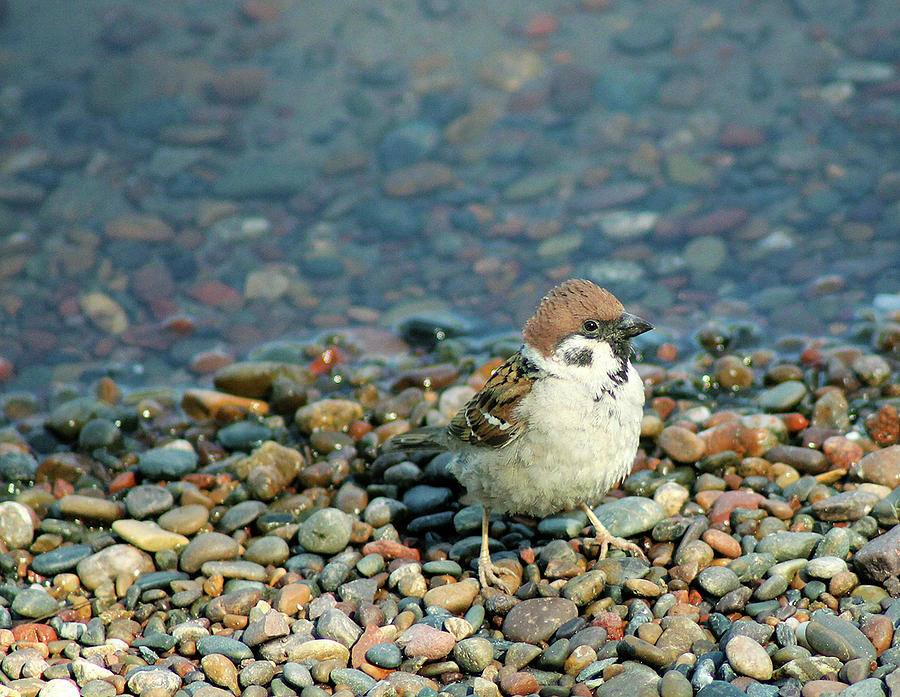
[[573, 452]]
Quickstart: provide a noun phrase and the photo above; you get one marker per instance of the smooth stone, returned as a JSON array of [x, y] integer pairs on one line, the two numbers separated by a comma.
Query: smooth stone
[[78, 506], [718, 580], [59, 687], [16, 525], [846, 506], [423, 498], [241, 515], [334, 624], [789, 545], [630, 515], [167, 463], [537, 619], [327, 531], [34, 603], [782, 397], [830, 635], [144, 679], [232, 648], [473, 654], [60, 559], [208, 546], [879, 558], [184, 520], [233, 568], [358, 682], [243, 435], [748, 658], [584, 587], [388, 656], [110, 563], [267, 550], [455, 597], [825, 567], [145, 500], [147, 535]]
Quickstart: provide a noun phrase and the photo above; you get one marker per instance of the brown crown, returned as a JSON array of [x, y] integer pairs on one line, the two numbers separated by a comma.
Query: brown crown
[[564, 308]]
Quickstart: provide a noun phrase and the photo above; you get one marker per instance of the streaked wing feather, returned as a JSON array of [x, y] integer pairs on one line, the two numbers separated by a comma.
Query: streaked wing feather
[[490, 418]]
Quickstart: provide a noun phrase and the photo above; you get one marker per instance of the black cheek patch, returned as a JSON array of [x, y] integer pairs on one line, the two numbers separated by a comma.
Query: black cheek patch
[[581, 357]]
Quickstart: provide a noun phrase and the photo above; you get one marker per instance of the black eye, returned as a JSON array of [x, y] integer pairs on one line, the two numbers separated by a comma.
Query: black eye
[[590, 326]]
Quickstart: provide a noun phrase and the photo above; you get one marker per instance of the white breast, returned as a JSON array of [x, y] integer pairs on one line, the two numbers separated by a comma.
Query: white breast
[[581, 439]]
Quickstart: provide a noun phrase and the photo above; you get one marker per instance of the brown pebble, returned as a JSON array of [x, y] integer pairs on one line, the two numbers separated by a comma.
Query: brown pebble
[[729, 500], [879, 630], [519, 683], [884, 426], [722, 542], [820, 688], [681, 444], [879, 467], [291, 598]]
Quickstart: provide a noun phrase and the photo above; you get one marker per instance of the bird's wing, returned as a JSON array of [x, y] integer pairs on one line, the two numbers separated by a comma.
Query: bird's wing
[[490, 418]]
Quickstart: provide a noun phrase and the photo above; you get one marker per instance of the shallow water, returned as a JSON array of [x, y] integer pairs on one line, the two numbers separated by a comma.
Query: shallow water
[[182, 182]]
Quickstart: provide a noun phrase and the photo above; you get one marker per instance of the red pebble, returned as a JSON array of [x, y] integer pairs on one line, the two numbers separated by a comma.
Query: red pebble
[[795, 422], [730, 500], [34, 632], [6, 369], [329, 358], [391, 550], [612, 623], [126, 480]]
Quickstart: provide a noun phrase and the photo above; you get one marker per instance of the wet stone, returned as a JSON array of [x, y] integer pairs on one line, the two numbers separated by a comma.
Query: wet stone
[[630, 515], [145, 501], [387, 655], [34, 603], [473, 654], [209, 546], [789, 545], [241, 515], [748, 658], [879, 558], [830, 635], [167, 463], [537, 619], [16, 525], [718, 580], [334, 624], [267, 550], [846, 506], [327, 531], [358, 682], [422, 499], [235, 650]]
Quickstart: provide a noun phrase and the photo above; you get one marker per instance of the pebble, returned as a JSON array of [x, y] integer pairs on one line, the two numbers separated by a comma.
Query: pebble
[[34, 603], [145, 501], [16, 525], [326, 531], [830, 635], [536, 619], [748, 658], [147, 535], [208, 546], [631, 515]]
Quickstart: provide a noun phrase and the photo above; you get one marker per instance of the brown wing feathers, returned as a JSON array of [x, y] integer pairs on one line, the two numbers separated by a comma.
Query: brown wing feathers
[[489, 419]]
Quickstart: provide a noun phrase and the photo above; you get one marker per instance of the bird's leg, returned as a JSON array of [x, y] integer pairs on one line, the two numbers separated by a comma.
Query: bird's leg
[[488, 572], [606, 538]]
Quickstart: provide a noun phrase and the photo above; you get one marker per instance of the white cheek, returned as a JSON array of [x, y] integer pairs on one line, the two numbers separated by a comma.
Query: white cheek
[[603, 362]]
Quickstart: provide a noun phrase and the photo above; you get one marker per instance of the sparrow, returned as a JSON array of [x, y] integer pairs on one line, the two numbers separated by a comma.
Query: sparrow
[[557, 425]]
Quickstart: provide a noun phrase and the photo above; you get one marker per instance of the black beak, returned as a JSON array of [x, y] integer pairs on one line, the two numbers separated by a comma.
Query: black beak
[[631, 325]]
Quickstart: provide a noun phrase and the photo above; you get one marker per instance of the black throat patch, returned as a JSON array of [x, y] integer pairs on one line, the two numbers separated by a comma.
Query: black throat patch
[[581, 357]]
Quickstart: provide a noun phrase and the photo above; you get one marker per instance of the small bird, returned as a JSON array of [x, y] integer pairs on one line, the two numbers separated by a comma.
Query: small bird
[[557, 425]]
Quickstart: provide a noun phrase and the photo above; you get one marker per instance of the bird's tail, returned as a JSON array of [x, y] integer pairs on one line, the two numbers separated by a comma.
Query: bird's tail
[[427, 438]]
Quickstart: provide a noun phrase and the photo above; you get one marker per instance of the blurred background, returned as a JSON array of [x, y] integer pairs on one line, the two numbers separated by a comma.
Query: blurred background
[[181, 182]]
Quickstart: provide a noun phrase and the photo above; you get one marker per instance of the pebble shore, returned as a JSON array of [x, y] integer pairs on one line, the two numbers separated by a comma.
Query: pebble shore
[[251, 539]]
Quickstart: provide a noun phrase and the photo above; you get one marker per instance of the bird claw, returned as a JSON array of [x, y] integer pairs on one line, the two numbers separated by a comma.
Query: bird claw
[[489, 575], [607, 540]]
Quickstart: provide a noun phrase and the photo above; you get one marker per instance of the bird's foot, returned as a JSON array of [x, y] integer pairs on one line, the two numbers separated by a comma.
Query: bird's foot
[[606, 539], [490, 574]]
